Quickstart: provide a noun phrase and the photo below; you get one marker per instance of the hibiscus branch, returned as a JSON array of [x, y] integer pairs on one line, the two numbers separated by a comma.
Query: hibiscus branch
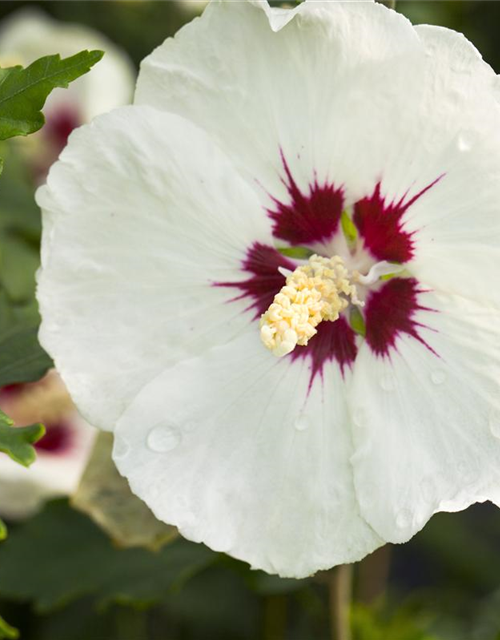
[[340, 595]]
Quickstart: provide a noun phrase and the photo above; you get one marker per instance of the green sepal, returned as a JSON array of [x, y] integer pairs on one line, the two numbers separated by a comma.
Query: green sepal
[[17, 442], [23, 91], [348, 229], [299, 253], [357, 321]]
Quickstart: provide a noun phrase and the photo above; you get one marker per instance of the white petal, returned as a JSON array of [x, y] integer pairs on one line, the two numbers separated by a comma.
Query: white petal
[[457, 223], [427, 428], [229, 448], [141, 216], [304, 87], [29, 34]]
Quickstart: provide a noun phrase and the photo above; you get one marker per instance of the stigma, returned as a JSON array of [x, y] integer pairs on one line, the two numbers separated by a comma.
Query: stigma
[[315, 292]]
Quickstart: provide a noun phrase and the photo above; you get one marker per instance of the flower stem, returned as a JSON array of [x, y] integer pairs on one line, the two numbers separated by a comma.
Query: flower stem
[[373, 575], [340, 595]]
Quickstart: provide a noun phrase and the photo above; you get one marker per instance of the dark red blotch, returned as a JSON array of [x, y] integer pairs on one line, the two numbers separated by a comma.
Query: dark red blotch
[[381, 227], [265, 281], [307, 218], [390, 312], [334, 340]]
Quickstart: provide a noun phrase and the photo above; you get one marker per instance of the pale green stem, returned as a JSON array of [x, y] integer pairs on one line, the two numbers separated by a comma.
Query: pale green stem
[[340, 596]]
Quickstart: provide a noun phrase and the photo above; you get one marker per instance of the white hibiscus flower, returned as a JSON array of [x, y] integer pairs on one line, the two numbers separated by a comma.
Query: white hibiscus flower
[[170, 226], [29, 34], [61, 453]]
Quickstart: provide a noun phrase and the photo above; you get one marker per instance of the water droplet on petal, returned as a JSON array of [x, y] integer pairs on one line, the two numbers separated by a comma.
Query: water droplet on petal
[[121, 448], [388, 382], [302, 422], [438, 377], [494, 423], [359, 418], [464, 142], [404, 519], [163, 438]]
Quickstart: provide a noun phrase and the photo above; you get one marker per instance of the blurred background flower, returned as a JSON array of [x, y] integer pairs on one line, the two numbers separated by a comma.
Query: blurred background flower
[[29, 34], [61, 454]]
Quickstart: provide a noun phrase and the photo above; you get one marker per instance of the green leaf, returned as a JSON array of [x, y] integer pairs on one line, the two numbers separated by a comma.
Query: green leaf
[[22, 359], [60, 555], [106, 497], [17, 442], [23, 91], [348, 228], [3, 530], [7, 632]]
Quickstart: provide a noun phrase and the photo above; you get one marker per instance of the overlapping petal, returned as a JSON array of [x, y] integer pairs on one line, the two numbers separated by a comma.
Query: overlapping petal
[[142, 215], [238, 452], [320, 88], [426, 427]]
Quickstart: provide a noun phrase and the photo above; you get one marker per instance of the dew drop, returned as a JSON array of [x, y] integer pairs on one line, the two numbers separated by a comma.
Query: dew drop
[[359, 417], [121, 448], [464, 142], [438, 377], [494, 423], [388, 382], [302, 423], [163, 438], [403, 519]]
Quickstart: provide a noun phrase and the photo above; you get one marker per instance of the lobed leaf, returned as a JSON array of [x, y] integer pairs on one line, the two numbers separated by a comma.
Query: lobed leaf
[[17, 442], [23, 91]]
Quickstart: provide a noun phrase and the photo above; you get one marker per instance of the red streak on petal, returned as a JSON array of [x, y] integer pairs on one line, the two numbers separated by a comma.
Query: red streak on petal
[[262, 262], [334, 341], [390, 311], [307, 218], [381, 225]]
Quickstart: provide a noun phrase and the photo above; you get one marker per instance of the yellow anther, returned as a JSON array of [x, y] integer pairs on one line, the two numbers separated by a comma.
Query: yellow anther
[[317, 291]]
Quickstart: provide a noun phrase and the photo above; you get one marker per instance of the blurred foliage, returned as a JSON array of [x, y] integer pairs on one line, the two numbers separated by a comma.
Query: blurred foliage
[[106, 497], [7, 632], [63, 578]]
